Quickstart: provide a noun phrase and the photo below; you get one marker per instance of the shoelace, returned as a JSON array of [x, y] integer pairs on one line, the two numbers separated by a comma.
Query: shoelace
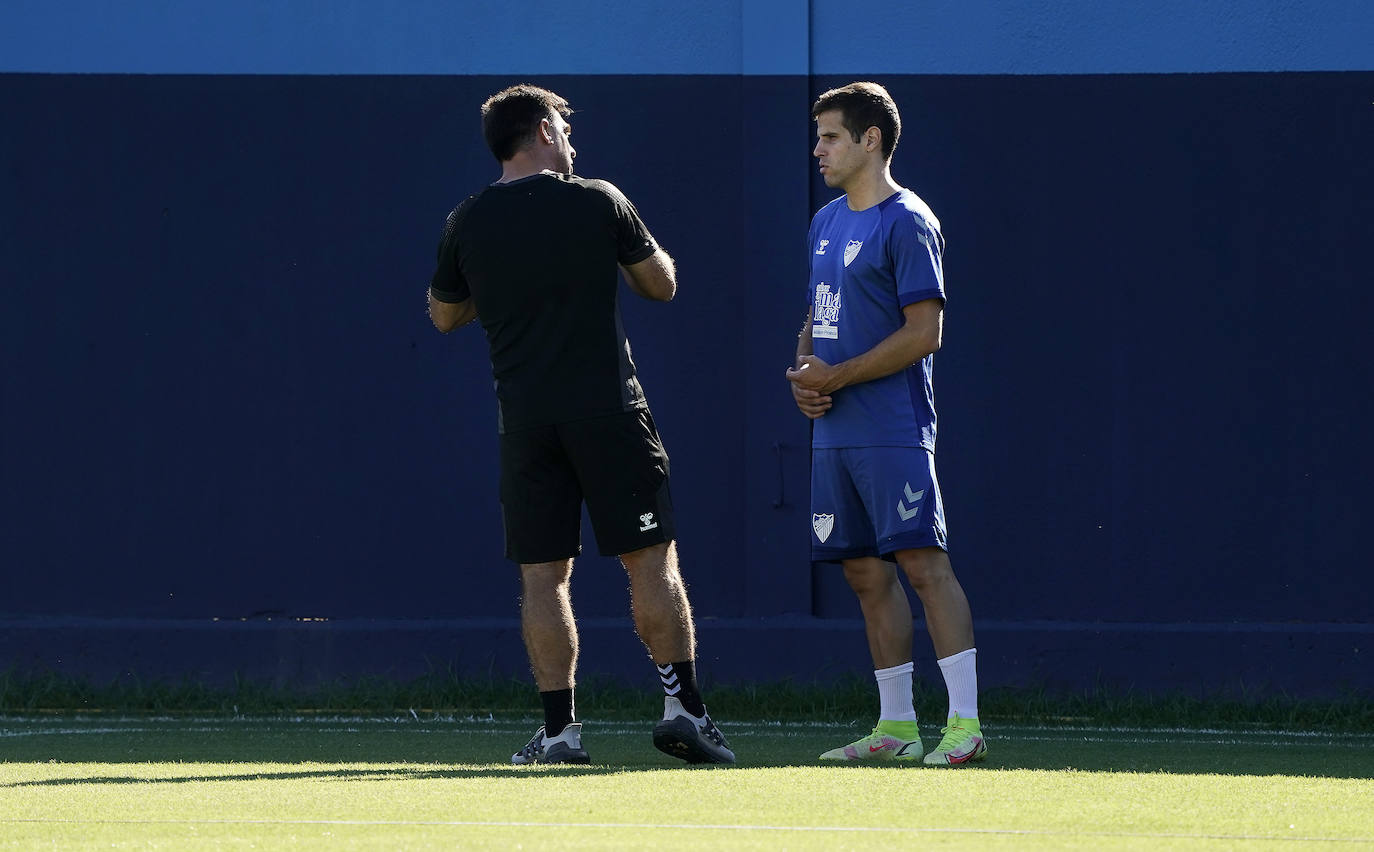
[[953, 736], [876, 734], [709, 730], [535, 747]]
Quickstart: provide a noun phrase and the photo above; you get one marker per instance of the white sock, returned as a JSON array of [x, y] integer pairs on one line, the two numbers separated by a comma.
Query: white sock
[[894, 691], [961, 679]]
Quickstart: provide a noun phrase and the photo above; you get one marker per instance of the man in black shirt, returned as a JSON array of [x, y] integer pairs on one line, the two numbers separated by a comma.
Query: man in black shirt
[[535, 258]]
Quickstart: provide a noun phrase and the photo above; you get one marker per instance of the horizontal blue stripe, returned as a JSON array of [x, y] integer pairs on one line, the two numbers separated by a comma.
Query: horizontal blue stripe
[[370, 37], [1093, 37], [829, 37]]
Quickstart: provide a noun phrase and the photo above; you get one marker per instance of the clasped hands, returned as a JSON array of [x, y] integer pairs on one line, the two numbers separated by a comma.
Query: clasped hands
[[812, 380]]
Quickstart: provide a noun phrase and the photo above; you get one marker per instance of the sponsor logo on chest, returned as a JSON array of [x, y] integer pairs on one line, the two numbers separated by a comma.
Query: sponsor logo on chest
[[827, 313]]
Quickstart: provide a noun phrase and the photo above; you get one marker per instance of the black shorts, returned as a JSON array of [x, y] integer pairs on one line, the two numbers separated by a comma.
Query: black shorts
[[617, 464]]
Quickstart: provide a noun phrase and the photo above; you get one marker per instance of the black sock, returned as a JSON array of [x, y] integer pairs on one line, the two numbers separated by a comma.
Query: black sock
[[558, 710], [680, 682]]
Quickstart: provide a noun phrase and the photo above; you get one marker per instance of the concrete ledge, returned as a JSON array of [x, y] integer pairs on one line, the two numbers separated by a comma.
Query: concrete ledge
[[1297, 660]]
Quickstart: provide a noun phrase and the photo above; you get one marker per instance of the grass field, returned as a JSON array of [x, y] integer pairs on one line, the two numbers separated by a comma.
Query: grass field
[[438, 781]]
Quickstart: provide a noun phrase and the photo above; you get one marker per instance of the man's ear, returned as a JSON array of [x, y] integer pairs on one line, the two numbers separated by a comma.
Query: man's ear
[[546, 130], [873, 137]]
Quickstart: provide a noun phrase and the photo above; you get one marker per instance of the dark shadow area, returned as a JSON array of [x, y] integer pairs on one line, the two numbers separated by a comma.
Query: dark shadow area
[[430, 752]]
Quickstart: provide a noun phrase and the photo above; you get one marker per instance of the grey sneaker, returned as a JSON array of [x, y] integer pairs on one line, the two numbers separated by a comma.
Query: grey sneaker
[[689, 738], [564, 748]]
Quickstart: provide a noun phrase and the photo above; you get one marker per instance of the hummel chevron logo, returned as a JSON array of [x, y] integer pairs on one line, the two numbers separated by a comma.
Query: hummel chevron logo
[[914, 500], [669, 678]]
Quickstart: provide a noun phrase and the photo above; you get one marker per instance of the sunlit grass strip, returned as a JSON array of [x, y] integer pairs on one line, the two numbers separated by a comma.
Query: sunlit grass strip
[[802, 807]]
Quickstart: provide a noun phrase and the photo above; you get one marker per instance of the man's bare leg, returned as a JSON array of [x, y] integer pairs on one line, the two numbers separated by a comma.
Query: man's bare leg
[[550, 633], [947, 612], [663, 619], [547, 623], [658, 602], [951, 631], [886, 610], [888, 625]]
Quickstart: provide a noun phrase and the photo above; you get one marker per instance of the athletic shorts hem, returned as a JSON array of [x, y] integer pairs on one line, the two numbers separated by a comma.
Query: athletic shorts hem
[[621, 546], [910, 541], [524, 559], [928, 446]]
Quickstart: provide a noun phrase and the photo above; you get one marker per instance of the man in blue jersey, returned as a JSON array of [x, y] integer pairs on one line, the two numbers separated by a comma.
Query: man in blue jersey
[[863, 376]]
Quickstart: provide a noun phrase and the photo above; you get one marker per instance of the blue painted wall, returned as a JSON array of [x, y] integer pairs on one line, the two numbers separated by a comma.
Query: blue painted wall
[[702, 37], [220, 396]]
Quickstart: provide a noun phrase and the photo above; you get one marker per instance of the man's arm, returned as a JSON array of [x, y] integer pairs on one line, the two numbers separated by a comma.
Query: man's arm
[[654, 277], [447, 316], [812, 403], [919, 336]]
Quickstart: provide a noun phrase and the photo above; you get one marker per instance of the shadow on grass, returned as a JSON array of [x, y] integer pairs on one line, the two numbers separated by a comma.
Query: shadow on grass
[[400, 773], [410, 754]]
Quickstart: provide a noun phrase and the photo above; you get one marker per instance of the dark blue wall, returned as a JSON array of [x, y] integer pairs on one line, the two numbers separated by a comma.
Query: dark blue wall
[[222, 392], [220, 395]]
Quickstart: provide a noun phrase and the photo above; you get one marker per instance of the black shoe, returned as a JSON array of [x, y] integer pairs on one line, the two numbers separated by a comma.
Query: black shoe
[[689, 738], [564, 748]]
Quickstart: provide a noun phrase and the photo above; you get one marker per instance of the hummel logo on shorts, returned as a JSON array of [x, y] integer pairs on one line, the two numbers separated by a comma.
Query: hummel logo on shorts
[[647, 522]]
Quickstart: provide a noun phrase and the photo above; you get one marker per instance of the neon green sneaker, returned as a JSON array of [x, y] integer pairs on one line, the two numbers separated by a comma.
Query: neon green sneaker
[[962, 743], [889, 741]]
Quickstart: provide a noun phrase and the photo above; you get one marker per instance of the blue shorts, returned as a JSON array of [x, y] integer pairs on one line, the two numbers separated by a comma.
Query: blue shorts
[[874, 501]]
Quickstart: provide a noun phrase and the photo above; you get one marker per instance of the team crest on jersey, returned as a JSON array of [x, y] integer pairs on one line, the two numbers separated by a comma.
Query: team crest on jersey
[[822, 524], [820, 249], [827, 313], [851, 251]]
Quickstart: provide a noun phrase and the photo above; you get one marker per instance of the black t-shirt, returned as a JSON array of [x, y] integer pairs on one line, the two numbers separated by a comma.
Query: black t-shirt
[[539, 256]]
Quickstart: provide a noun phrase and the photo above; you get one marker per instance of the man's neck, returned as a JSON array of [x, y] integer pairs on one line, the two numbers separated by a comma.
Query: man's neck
[[870, 188], [522, 167]]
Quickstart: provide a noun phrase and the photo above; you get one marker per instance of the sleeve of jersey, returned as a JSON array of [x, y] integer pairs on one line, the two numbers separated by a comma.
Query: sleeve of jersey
[[916, 252], [448, 284], [633, 240]]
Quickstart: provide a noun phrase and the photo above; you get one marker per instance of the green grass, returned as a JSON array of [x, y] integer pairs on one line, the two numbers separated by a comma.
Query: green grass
[[845, 701], [440, 781]]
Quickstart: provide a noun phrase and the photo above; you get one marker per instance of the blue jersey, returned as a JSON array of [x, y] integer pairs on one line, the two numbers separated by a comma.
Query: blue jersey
[[866, 266]]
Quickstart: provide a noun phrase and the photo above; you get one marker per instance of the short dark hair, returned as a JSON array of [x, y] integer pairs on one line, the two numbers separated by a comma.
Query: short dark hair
[[861, 106], [511, 116]]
